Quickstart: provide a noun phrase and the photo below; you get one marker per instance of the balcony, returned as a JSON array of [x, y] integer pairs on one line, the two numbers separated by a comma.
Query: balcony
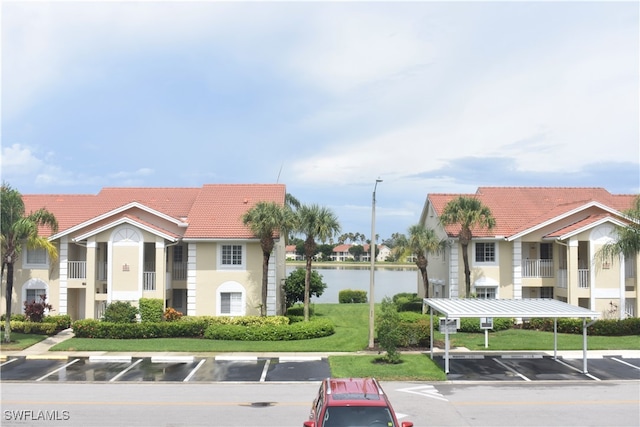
[[583, 278], [76, 269], [537, 268]]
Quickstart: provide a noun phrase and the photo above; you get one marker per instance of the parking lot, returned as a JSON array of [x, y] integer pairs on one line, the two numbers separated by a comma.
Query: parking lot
[[221, 368], [165, 369], [536, 367]]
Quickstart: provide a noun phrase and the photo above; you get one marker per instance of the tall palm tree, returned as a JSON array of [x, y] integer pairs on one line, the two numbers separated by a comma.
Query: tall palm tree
[[16, 230], [316, 223], [421, 242], [628, 243], [468, 213], [264, 220]]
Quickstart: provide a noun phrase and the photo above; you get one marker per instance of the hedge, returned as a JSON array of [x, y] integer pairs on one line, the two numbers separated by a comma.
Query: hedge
[[38, 328], [350, 296], [151, 309], [296, 331], [605, 327], [91, 328]]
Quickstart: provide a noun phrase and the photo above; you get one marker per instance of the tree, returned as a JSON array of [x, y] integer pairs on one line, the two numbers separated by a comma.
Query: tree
[[421, 242], [264, 220], [357, 251], [294, 286], [16, 230], [468, 213], [628, 243], [315, 222]]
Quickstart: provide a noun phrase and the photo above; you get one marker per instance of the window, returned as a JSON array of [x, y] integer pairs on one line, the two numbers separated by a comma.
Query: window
[[178, 253], [36, 257], [232, 256], [486, 293], [546, 251], [230, 302], [35, 295], [485, 252], [231, 299], [546, 292]]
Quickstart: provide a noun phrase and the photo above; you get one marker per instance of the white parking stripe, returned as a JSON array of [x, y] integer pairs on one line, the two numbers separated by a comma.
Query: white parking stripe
[[625, 363], [264, 370], [426, 391], [193, 371], [8, 361], [125, 371], [577, 370], [511, 370], [57, 370]]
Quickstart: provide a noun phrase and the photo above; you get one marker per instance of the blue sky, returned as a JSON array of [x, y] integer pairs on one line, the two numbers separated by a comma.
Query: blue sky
[[324, 97]]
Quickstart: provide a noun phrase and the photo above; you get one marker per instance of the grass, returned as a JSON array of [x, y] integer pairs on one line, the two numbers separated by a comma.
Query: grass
[[414, 367], [20, 341], [518, 339]]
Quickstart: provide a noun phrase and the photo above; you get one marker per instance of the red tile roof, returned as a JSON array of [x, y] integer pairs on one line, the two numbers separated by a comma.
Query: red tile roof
[[519, 208], [213, 211]]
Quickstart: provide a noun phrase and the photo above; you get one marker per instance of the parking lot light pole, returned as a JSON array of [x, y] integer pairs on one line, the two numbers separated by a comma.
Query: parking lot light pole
[[372, 249]]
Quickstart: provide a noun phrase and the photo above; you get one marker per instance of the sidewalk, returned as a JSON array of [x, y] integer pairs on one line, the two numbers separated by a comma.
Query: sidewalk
[[41, 350]]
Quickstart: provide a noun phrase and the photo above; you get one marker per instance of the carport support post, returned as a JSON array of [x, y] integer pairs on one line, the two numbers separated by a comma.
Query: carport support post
[[431, 334], [446, 346], [555, 338], [584, 345]]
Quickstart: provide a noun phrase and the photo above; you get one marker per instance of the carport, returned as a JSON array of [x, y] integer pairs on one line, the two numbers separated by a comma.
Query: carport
[[452, 308]]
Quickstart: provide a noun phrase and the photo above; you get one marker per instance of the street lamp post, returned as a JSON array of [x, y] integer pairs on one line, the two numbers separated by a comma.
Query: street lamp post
[[372, 248]]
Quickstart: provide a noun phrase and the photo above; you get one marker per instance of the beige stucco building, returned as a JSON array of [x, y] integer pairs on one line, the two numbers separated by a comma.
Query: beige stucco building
[[186, 246], [544, 245]]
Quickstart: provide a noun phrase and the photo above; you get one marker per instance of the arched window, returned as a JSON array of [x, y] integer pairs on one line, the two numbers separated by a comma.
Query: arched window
[[32, 290], [231, 299]]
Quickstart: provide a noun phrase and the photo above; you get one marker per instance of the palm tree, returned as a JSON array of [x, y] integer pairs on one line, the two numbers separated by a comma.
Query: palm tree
[[421, 242], [16, 230], [628, 243], [468, 213], [315, 222], [264, 220]]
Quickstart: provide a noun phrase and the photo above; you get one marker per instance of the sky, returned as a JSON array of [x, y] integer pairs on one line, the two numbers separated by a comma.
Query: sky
[[324, 97]]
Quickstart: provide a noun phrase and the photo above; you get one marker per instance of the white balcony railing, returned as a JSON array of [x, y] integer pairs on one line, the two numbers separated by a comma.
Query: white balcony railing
[[537, 268], [149, 280], [77, 269], [562, 279], [179, 271], [102, 270], [583, 278]]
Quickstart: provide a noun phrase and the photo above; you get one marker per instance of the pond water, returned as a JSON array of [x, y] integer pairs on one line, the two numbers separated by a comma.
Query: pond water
[[388, 281]]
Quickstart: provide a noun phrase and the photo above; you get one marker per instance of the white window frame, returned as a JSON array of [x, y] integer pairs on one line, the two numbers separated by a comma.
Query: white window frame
[[495, 253], [231, 288], [243, 255], [27, 264], [486, 289]]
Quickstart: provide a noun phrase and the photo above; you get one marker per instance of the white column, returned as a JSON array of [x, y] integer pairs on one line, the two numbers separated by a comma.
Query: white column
[[191, 279], [517, 269]]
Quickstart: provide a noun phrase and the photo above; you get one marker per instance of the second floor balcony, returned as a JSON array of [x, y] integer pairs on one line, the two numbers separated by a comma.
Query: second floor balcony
[[537, 268]]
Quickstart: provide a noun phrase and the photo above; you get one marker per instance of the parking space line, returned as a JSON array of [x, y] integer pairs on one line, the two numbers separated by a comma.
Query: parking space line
[[625, 363], [125, 370], [7, 362], [193, 371], [264, 370], [57, 370], [577, 370], [513, 371]]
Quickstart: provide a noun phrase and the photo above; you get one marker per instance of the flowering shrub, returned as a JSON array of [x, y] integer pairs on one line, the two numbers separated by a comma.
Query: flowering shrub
[[171, 314]]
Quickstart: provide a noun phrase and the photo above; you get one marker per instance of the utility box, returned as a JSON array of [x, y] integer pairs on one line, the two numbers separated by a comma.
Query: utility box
[[450, 326], [486, 323]]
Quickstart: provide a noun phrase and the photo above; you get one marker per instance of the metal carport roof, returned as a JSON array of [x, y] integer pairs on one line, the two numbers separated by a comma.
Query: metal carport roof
[[453, 308], [523, 308]]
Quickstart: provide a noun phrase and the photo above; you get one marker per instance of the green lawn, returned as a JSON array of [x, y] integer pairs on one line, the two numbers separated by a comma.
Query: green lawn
[[20, 341]]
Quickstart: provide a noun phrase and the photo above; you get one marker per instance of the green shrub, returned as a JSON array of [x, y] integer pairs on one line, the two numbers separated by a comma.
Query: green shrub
[[90, 328], [408, 302], [387, 327], [415, 334], [151, 309], [273, 332], [120, 312], [62, 321], [350, 296], [26, 327], [294, 286], [472, 324], [18, 317], [298, 311], [605, 327]]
